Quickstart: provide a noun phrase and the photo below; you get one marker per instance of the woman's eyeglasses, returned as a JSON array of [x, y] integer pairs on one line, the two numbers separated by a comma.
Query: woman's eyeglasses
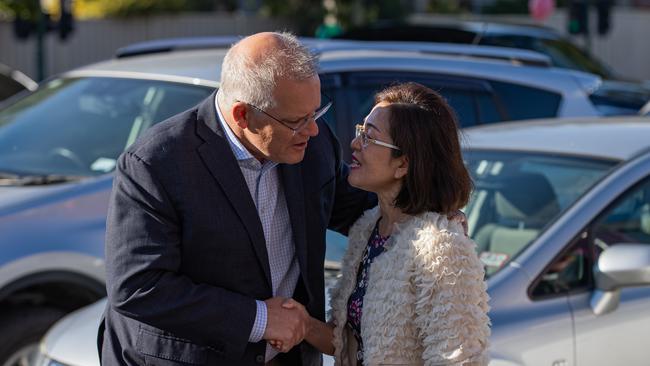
[[365, 140]]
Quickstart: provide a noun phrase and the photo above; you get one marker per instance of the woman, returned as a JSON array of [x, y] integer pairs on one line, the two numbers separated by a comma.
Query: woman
[[412, 289]]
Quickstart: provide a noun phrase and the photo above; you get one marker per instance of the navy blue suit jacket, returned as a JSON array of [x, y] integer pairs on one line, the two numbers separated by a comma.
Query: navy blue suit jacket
[[185, 251]]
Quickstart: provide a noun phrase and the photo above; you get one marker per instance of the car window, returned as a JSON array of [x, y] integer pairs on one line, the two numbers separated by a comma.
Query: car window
[[562, 53], [102, 116], [523, 102], [627, 221], [9, 87], [569, 271], [517, 194], [463, 94]]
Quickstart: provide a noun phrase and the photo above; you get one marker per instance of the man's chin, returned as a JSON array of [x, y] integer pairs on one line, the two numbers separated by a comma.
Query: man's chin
[[294, 158]]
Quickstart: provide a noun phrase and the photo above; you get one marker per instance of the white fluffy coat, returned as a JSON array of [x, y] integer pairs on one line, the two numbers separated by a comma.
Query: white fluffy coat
[[426, 301]]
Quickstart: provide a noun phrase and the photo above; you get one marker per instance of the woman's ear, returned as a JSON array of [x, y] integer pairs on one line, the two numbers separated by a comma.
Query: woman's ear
[[402, 168]]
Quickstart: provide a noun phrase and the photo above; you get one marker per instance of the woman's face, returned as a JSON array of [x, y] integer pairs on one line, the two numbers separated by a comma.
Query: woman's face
[[373, 168]]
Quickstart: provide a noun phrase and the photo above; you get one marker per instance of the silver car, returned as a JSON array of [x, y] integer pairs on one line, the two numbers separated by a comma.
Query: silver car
[[561, 217]]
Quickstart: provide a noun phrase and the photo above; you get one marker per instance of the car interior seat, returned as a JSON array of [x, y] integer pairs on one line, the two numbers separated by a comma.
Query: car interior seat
[[523, 204]]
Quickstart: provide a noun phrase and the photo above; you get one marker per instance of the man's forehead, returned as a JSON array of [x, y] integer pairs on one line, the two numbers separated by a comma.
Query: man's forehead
[[298, 97]]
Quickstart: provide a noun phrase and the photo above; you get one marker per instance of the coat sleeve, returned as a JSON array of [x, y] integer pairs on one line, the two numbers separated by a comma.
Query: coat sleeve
[[451, 301], [143, 261]]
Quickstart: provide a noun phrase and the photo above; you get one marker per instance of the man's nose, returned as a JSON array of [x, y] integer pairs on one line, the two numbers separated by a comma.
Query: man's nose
[[311, 129]]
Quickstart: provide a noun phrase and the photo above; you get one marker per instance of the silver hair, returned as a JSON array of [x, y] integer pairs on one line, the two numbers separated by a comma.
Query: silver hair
[[253, 82]]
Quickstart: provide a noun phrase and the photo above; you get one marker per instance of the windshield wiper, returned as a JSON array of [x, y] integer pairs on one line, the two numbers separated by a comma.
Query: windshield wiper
[[7, 179]]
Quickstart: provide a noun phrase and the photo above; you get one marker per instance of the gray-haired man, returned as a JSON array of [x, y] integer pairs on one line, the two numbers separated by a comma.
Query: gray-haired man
[[219, 214]]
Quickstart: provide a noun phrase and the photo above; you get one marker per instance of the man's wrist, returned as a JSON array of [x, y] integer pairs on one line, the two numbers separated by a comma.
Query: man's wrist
[[259, 326]]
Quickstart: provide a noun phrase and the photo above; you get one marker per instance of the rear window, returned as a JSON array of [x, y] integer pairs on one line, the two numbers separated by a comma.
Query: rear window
[[524, 102]]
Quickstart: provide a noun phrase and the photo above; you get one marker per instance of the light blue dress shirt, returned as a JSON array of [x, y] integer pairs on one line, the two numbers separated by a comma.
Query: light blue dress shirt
[[265, 186]]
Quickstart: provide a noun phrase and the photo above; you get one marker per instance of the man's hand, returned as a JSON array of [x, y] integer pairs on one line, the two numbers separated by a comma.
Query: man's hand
[[286, 324]]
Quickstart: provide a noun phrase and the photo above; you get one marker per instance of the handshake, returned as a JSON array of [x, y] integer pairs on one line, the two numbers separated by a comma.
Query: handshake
[[287, 323]]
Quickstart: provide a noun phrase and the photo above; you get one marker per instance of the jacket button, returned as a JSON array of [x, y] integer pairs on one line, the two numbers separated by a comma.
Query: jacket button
[[259, 358]]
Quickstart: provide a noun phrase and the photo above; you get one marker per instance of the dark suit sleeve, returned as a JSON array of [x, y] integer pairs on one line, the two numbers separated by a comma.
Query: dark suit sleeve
[[349, 202], [143, 258]]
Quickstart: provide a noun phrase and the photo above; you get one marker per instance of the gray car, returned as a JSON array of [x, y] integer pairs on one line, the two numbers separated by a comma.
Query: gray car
[[561, 218], [59, 145]]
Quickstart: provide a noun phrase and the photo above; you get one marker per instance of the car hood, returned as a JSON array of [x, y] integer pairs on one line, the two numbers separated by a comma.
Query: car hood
[[69, 216]]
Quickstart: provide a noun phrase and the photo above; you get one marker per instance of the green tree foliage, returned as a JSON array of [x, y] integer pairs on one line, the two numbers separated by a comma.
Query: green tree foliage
[[307, 15], [26, 9], [351, 13], [128, 8]]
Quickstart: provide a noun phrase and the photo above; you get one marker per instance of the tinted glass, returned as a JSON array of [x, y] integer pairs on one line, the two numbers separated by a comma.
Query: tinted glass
[[522, 102], [517, 194], [627, 222], [80, 126], [9, 87], [562, 53], [462, 101]]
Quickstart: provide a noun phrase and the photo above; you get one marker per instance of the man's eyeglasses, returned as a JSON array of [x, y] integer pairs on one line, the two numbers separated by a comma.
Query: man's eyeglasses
[[365, 140], [297, 125]]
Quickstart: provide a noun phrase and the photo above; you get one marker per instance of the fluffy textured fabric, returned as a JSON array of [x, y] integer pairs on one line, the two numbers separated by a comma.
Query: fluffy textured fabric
[[426, 301]]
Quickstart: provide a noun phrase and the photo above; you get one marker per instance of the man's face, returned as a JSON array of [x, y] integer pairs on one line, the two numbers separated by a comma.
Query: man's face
[[274, 141]]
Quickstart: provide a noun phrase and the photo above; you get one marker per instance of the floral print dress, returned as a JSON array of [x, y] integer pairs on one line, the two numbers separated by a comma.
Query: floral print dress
[[355, 304]]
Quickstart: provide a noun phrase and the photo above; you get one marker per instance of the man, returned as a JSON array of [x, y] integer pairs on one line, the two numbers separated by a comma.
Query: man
[[219, 214]]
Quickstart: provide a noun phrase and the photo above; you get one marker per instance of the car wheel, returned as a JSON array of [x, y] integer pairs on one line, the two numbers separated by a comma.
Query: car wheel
[[21, 331]]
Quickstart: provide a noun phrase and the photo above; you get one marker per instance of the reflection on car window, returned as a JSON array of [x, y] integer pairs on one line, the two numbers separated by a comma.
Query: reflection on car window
[[627, 222], [517, 194], [80, 126]]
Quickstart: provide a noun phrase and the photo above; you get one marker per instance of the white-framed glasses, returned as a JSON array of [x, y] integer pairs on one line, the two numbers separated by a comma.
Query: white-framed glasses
[[365, 140]]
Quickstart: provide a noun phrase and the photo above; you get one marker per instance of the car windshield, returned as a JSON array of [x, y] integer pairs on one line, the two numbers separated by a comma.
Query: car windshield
[[517, 194], [79, 126]]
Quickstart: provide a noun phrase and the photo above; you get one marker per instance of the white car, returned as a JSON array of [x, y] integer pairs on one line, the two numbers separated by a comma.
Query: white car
[[561, 218]]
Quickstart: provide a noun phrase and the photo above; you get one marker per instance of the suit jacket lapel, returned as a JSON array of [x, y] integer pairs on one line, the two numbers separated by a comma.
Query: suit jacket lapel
[[220, 161], [293, 192]]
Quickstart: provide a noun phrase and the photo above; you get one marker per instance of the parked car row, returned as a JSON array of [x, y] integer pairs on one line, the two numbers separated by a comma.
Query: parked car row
[[59, 146], [561, 217]]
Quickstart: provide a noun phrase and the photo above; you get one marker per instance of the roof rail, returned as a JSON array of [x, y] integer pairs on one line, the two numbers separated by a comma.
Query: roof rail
[[319, 46], [512, 55], [173, 44]]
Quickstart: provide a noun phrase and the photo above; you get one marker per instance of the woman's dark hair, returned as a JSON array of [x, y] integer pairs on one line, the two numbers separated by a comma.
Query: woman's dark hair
[[424, 126]]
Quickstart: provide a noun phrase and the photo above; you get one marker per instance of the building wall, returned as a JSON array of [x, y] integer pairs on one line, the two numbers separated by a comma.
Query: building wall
[[626, 49]]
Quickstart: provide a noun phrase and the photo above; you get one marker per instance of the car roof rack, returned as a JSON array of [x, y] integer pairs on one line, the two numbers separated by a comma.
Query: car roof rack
[[319, 46]]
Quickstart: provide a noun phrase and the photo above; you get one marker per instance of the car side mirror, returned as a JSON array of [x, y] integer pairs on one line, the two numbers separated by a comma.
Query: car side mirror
[[621, 265]]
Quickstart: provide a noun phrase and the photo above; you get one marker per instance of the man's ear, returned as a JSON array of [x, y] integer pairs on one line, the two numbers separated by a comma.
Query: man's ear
[[402, 168], [240, 114]]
